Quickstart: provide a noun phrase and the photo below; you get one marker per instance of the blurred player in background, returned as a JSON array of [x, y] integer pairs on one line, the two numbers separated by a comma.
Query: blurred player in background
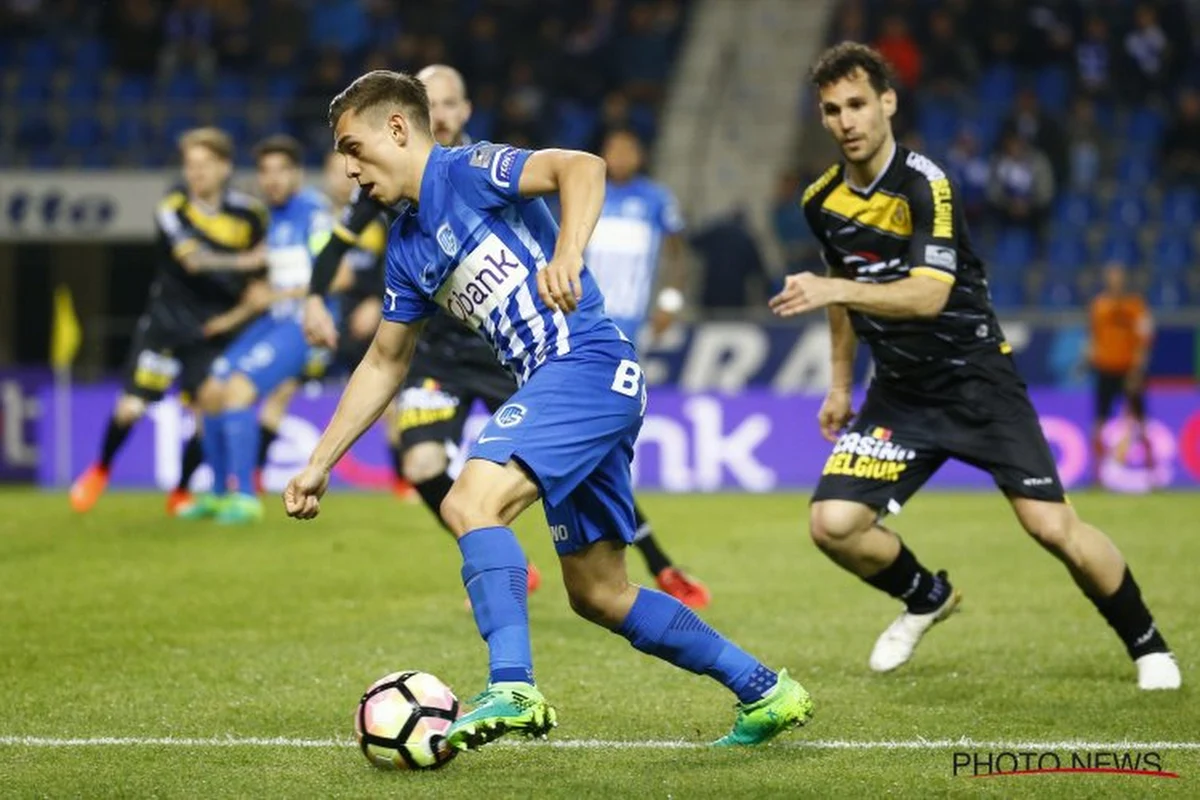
[[453, 366], [640, 226], [210, 239], [272, 350], [481, 245], [905, 278], [1122, 331], [358, 286]]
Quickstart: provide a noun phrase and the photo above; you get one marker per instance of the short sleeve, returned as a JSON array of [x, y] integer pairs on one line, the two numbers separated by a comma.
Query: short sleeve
[[488, 175], [402, 302], [167, 217], [933, 249], [669, 216]]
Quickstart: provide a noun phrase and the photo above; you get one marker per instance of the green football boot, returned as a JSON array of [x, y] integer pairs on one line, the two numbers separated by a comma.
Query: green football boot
[[240, 509], [787, 706], [508, 707], [203, 506]]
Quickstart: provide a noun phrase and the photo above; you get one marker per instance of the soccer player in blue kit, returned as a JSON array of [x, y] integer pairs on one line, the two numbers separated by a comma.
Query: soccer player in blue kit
[[272, 350], [476, 239]]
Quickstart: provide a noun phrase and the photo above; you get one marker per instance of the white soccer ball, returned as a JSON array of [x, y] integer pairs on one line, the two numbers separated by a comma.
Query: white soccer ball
[[402, 719]]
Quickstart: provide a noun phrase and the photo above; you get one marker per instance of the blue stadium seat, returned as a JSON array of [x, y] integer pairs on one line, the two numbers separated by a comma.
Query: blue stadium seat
[[231, 88], [43, 157], [130, 132], [84, 88], [1135, 170], [96, 158], [1058, 292], [576, 125], [237, 127], [482, 124], [1167, 291], [182, 87], [1077, 209], [1144, 127], [90, 57], [33, 88], [132, 92], [997, 86], [281, 88], [1068, 253], [644, 120], [1005, 292], [39, 55], [177, 124], [938, 123], [84, 132], [1180, 208], [1121, 246], [33, 131], [1173, 253], [1053, 87], [1015, 249], [1127, 210]]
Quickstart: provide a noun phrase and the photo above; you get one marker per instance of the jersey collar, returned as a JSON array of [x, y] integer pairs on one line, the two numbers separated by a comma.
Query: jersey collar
[[429, 190], [866, 190]]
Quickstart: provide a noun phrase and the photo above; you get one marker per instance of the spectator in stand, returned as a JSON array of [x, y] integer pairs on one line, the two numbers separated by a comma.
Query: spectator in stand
[[1085, 145], [340, 25], [237, 48], [135, 29], [644, 55], [281, 33], [971, 174], [950, 64], [897, 45], [1181, 145], [1094, 59], [188, 30], [1041, 130], [787, 219], [1149, 50], [734, 270], [850, 24], [1050, 38], [309, 115], [1022, 184]]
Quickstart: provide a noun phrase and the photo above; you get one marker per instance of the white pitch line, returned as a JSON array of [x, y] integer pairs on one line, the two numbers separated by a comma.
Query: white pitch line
[[604, 744]]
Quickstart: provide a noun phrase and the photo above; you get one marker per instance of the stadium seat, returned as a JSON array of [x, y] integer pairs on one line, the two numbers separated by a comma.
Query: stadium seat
[[131, 93], [576, 125], [1127, 210], [1014, 251], [83, 88], [1144, 128], [482, 124], [236, 126], [281, 88], [43, 157], [83, 132], [1173, 253], [1053, 87], [182, 87], [1135, 170], [39, 55], [1068, 253], [177, 124], [1075, 208], [129, 133], [1121, 246], [1167, 291], [231, 88], [1058, 292], [32, 88], [938, 123], [1180, 208], [33, 131], [90, 57], [997, 86], [1005, 292]]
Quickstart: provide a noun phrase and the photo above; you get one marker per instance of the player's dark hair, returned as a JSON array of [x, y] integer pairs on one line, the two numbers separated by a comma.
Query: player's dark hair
[[845, 59], [214, 140], [384, 87], [623, 130], [282, 144]]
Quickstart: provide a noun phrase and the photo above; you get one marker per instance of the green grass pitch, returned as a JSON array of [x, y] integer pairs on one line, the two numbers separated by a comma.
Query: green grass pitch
[[126, 624]]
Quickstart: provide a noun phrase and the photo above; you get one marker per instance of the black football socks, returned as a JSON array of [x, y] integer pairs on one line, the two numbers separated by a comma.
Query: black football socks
[[1126, 612], [921, 591]]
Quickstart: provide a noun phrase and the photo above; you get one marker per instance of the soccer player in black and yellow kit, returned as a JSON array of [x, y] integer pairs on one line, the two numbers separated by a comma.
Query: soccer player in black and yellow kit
[[210, 239], [903, 277]]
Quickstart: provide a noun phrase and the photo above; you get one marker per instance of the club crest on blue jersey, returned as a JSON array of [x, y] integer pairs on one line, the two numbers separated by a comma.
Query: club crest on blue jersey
[[447, 240], [512, 414]]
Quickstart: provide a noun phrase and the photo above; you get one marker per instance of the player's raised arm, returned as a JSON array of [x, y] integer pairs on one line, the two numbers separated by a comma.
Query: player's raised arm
[[370, 389], [579, 180]]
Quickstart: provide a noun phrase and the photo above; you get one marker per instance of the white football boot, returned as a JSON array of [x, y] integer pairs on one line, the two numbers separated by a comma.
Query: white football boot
[[896, 644], [1158, 671]]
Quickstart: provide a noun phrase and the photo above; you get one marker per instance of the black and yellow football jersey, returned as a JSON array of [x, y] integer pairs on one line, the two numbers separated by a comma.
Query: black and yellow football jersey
[[908, 223]]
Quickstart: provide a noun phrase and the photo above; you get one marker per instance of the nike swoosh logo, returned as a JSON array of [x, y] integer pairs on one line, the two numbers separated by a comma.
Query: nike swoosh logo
[[486, 439]]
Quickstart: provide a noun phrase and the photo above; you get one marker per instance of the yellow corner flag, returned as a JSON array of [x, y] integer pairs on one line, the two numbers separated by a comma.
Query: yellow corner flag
[[66, 334]]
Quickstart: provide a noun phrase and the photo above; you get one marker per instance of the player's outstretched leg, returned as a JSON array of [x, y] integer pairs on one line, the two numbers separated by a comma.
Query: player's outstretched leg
[[685, 588], [486, 497], [192, 457], [769, 703], [90, 485], [849, 534], [1099, 569]]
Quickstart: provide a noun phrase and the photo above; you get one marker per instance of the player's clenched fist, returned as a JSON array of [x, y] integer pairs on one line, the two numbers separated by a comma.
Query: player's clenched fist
[[559, 284], [319, 329], [302, 497]]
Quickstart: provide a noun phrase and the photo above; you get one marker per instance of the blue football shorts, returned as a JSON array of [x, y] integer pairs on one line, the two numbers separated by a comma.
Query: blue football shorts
[[269, 352], [572, 426]]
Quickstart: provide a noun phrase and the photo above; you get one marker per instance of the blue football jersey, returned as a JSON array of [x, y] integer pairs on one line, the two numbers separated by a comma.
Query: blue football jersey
[[297, 230], [473, 246], [624, 250]]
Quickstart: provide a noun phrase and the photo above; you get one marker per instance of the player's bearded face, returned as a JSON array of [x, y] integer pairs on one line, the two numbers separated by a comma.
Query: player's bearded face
[[448, 111], [278, 178], [858, 117]]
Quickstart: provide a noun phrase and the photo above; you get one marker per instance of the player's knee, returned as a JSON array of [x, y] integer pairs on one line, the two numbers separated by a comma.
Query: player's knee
[[1052, 525], [460, 511], [210, 397], [130, 409], [599, 602], [833, 524], [240, 392], [424, 462]]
